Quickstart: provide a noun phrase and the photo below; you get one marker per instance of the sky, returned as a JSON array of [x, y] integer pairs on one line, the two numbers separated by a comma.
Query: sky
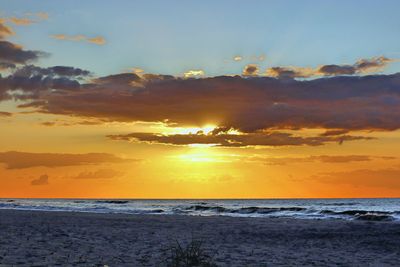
[[210, 99]]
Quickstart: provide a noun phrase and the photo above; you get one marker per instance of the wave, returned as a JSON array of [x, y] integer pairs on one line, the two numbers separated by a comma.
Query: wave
[[364, 215], [252, 208], [243, 210]]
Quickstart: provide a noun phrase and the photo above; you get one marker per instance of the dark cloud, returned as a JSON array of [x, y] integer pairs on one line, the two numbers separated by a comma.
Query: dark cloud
[[334, 132], [361, 66], [60, 71], [246, 104], [337, 70], [15, 54], [42, 180], [34, 81], [251, 70], [290, 72], [71, 123], [20, 160], [234, 140], [98, 174], [10, 53]]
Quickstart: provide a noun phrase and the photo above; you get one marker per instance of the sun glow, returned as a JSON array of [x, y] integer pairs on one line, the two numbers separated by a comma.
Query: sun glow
[[194, 130]]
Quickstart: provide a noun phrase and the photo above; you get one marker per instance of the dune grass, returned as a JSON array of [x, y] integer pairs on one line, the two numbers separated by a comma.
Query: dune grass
[[191, 254]]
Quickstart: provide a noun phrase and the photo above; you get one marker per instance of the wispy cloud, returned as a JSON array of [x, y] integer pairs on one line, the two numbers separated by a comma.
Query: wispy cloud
[[322, 159], [98, 174], [27, 19], [20, 160], [98, 40], [42, 180]]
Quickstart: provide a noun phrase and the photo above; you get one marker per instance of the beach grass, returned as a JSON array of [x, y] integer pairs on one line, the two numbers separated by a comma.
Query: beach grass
[[188, 254]]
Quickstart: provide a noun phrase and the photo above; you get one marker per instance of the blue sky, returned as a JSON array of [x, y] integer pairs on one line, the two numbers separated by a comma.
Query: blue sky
[[171, 37]]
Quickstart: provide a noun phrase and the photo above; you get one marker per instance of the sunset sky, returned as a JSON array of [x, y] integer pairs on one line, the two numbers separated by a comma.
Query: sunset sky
[[199, 99]]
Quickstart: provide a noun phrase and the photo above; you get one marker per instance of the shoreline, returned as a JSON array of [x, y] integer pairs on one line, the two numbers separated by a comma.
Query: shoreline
[[88, 239]]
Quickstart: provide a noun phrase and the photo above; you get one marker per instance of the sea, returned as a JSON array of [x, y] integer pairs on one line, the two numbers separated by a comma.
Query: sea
[[382, 209]]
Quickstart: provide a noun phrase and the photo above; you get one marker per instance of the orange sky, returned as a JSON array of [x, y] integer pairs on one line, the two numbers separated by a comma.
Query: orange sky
[[366, 168]]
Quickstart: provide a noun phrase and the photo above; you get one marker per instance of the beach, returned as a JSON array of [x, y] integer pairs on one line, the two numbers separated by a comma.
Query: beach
[[43, 238]]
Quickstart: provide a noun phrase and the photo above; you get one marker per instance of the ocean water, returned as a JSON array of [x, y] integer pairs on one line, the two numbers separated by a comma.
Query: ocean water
[[346, 209]]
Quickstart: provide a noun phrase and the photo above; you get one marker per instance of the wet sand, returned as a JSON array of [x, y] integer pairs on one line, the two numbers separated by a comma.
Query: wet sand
[[36, 238]]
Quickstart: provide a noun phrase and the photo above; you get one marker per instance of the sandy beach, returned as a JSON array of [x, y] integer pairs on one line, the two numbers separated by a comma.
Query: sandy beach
[[36, 238]]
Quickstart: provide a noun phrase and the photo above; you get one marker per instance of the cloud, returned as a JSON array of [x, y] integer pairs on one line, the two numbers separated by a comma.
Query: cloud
[[10, 53], [289, 72], [5, 114], [21, 160], [71, 123], [362, 66], [42, 180], [98, 174], [251, 70], [28, 19], [60, 71], [246, 104], [385, 178], [15, 54], [322, 159], [334, 132], [31, 80], [193, 73], [249, 58], [21, 21], [98, 40], [42, 15], [5, 31], [225, 139]]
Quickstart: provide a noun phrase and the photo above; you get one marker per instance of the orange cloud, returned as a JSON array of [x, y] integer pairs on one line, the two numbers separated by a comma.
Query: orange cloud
[[21, 21], [29, 19], [98, 174], [42, 15], [42, 180], [20, 160], [5, 31], [5, 114], [322, 159], [98, 40]]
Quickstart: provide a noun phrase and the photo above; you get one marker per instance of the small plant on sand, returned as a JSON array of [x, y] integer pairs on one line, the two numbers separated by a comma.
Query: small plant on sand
[[188, 255]]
